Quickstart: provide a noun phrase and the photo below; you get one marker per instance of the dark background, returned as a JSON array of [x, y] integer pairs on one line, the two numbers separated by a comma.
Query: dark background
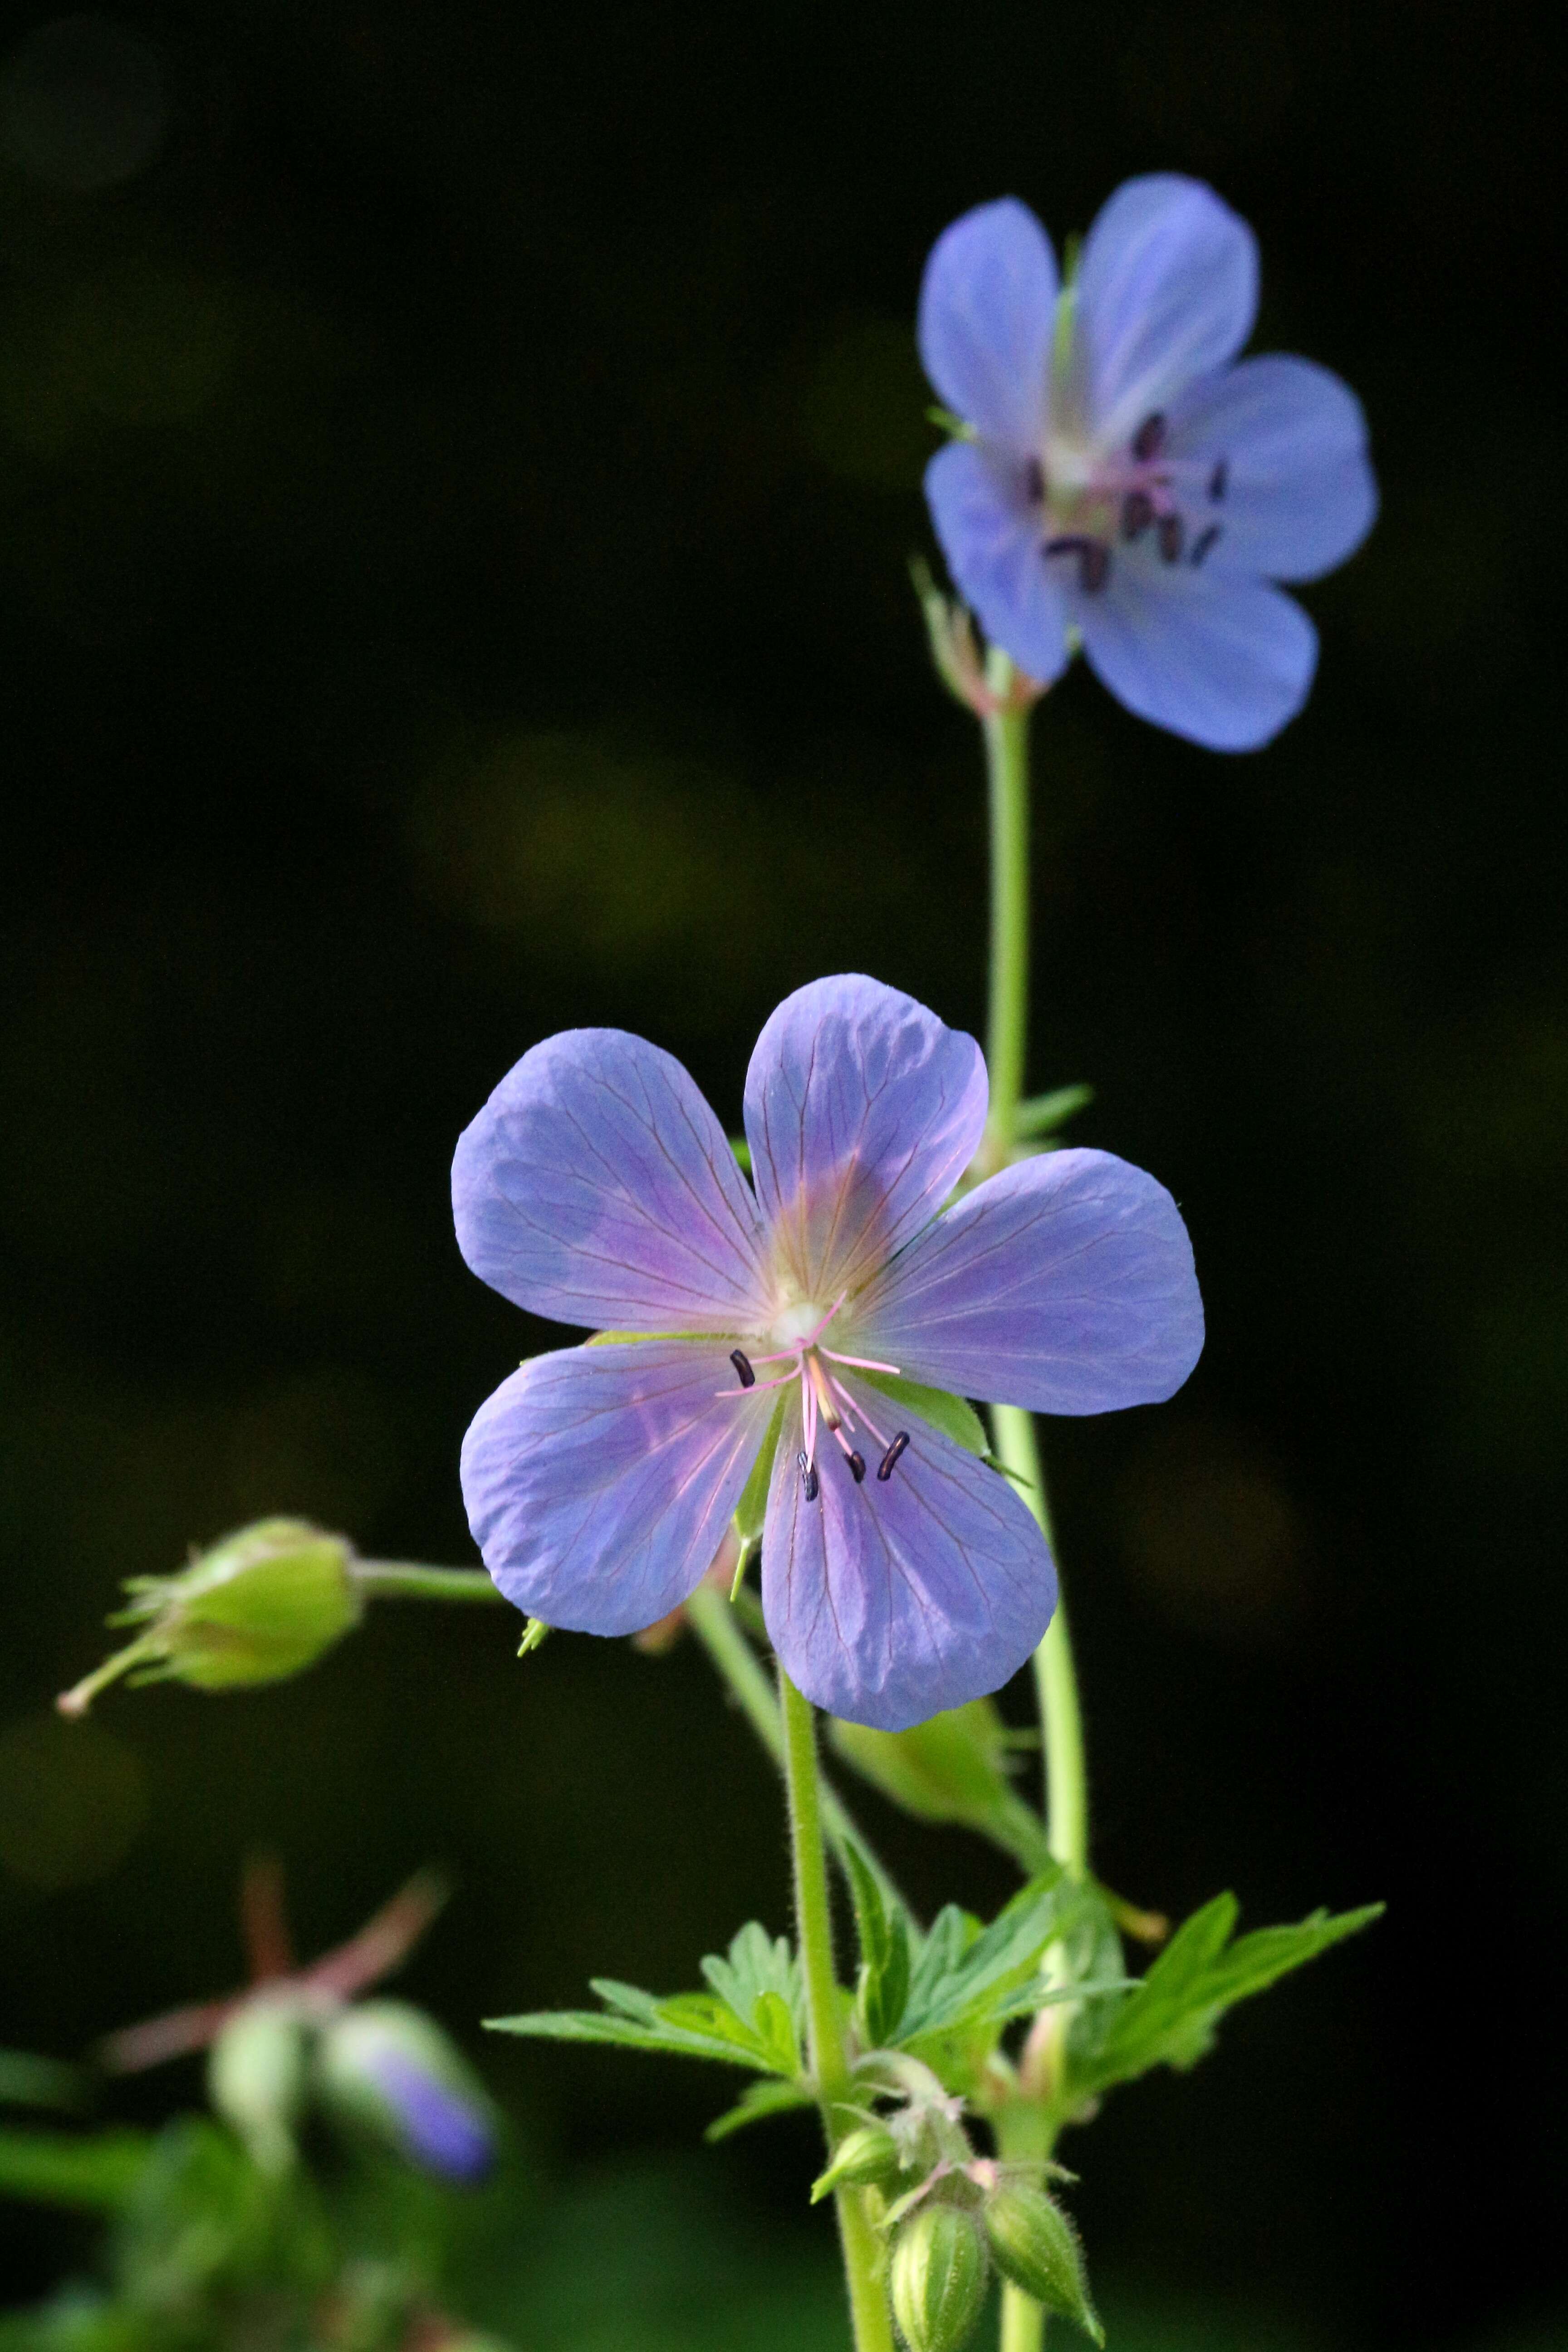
[[457, 466]]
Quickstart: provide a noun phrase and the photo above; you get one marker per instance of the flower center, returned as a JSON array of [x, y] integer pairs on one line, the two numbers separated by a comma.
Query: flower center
[[825, 1402], [1087, 497]]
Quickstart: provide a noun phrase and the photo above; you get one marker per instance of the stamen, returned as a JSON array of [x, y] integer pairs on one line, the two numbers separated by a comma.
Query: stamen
[[885, 1467], [1219, 480], [862, 1363], [857, 1467], [808, 1477], [858, 1408], [743, 1371], [1202, 544], [1034, 482], [1137, 514], [1093, 560], [1150, 438], [1171, 538]]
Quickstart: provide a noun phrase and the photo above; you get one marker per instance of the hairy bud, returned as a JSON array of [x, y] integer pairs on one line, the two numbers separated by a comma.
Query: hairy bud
[[256, 2076], [866, 2157], [937, 2277], [1035, 2245]]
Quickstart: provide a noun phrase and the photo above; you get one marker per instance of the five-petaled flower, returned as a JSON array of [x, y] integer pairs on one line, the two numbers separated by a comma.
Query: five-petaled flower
[[901, 1573], [1125, 484]]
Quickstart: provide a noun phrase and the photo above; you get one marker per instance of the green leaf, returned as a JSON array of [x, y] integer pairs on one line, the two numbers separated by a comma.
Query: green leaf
[[753, 1508], [96, 2172], [951, 1414], [753, 2016], [953, 1768], [604, 2027], [993, 1973], [755, 1965], [756, 2103], [1170, 2019], [883, 1926]]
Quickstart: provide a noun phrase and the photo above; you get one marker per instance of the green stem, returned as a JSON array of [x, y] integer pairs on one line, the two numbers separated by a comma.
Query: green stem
[[868, 2311], [407, 1580], [1007, 767]]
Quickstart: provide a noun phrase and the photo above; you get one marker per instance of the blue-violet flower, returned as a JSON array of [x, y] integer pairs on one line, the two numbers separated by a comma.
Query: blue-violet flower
[[1125, 483], [901, 1573]]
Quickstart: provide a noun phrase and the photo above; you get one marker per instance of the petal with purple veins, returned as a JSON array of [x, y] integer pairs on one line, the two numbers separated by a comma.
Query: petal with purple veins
[[1167, 291], [1297, 492], [862, 1112], [596, 1187], [995, 548], [888, 1600], [987, 309], [1065, 1285], [599, 1481], [1225, 662]]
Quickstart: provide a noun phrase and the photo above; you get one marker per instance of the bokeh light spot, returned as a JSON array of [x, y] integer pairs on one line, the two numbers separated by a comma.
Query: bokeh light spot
[[73, 1800]]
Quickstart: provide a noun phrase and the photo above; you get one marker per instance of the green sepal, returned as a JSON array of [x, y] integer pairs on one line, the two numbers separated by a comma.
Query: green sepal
[[1035, 2246], [952, 1415], [1043, 1114], [951, 1768], [866, 2157], [752, 1510], [742, 1151], [937, 2278]]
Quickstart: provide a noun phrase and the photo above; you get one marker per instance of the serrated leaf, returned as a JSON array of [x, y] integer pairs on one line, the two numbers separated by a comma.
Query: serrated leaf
[[952, 1414], [993, 1973], [756, 2103], [755, 1964], [1170, 2020], [94, 2173], [601, 2026]]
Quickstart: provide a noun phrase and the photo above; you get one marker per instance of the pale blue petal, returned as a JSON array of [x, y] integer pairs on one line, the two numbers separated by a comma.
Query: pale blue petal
[[862, 1112], [1167, 291], [995, 548], [1297, 490], [599, 1482], [1225, 662], [596, 1187], [987, 308], [1065, 1285], [887, 1601]]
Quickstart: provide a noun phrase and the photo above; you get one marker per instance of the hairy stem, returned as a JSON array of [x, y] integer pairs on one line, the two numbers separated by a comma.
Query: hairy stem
[[407, 1580], [814, 1927], [1007, 768]]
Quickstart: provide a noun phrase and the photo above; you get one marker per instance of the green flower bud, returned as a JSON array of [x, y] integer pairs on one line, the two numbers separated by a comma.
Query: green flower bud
[[938, 2278], [1035, 2245], [262, 1604], [256, 2077], [866, 2157]]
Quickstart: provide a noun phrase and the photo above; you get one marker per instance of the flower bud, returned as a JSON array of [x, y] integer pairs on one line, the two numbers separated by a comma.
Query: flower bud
[[387, 2069], [938, 2278], [866, 2157], [256, 2077], [262, 1604], [1035, 2245]]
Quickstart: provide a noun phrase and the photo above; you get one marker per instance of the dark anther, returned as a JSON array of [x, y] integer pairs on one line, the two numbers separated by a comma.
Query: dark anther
[[1219, 479], [1149, 439], [1093, 560], [809, 1479], [857, 1466], [1137, 514], [885, 1466], [1202, 544], [1171, 538], [742, 1364], [1034, 482]]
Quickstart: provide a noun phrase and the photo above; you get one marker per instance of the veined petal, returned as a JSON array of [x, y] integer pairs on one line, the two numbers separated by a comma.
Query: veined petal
[[991, 539], [1167, 290], [1065, 1285], [599, 1481], [890, 1600], [987, 309], [1299, 489], [1225, 662], [596, 1187], [862, 1112]]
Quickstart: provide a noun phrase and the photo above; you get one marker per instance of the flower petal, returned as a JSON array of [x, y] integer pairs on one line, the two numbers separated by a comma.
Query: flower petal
[[1299, 492], [890, 1600], [862, 1112], [596, 1187], [1225, 662], [599, 1481], [1168, 290], [992, 539], [1064, 1284], [987, 310]]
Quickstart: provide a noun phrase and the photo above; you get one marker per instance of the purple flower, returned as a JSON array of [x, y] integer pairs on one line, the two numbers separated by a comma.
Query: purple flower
[[1126, 482], [901, 1574], [387, 2069]]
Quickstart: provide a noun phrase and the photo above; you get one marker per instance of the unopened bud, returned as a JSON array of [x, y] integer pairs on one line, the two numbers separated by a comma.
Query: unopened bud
[[866, 2157], [938, 2278], [388, 2070], [1035, 2246], [256, 2076], [261, 1605]]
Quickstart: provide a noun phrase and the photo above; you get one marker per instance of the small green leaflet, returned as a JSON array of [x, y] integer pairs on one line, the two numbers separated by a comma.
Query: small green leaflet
[[751, 2017], [1170, 2019]]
